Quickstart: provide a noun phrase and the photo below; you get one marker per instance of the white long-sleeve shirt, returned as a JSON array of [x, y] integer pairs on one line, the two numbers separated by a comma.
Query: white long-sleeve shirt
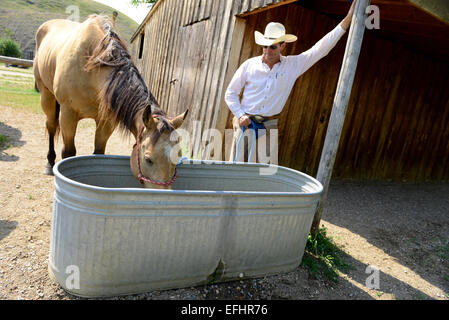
[[266, 91]]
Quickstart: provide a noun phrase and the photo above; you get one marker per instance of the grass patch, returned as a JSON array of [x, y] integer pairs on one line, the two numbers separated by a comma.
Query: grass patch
[[18, 92], [443, 252], [323, 258], [15, 69], [419, 296], [3, 142]]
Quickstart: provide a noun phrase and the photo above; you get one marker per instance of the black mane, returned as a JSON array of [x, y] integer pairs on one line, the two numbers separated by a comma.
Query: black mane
[[125, 92]]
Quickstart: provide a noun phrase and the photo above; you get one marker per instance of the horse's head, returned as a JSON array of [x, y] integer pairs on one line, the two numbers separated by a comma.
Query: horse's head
[[152, 162]]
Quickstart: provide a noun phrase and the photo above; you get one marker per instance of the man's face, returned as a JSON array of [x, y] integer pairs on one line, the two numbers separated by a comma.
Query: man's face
[[272, 53]]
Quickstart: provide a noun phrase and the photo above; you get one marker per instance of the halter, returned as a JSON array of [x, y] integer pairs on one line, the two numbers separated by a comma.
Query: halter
[[140, 175]]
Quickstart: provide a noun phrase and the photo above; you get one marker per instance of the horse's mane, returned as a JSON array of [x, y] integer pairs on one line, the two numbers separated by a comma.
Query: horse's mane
[[124, 93]]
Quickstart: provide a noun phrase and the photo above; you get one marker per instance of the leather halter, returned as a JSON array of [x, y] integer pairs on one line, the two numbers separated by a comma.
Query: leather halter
[[140, 175]]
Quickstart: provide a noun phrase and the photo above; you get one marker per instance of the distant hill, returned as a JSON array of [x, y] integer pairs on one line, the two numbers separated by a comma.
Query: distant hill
[[23, 17]]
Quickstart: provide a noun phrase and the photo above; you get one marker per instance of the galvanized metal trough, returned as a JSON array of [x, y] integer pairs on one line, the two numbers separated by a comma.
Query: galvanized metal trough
[[221, 221]]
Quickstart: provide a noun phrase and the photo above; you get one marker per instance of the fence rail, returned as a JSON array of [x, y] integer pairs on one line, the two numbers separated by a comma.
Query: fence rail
[[16, 61]]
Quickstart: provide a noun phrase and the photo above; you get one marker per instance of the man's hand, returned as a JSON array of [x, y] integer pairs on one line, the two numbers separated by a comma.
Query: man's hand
[[244, 120], [346, 23]]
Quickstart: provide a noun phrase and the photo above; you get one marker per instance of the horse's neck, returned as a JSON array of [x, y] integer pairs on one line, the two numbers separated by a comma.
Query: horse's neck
[[138, 123]]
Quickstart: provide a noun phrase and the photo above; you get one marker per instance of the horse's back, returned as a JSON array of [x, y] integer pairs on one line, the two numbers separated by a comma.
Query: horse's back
[[54, 26], [62, 50], [50, 37]]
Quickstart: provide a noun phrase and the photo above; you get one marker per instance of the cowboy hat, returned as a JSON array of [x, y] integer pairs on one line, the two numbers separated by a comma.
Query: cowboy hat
[[274, 33]]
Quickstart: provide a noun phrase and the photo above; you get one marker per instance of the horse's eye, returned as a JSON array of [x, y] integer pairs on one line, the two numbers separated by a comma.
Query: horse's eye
[[148, 160]]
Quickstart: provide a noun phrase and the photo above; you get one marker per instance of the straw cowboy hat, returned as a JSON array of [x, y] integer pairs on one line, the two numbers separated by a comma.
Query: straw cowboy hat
[[274, 33]]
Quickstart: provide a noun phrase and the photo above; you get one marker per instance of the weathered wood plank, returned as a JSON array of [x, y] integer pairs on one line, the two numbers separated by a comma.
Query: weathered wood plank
[[222, 55], [217, 13], [238, 32], [16, 61], [163, 52], [175, 69], [171, 49]]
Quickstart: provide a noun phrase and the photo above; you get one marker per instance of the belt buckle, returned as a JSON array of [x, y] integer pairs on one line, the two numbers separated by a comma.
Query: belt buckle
[[258, 119]]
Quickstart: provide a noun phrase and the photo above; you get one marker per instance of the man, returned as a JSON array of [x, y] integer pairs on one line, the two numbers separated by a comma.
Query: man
[[268, 79]]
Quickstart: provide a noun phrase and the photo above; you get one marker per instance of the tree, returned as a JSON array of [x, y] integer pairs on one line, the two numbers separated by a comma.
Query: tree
[[139, 2]]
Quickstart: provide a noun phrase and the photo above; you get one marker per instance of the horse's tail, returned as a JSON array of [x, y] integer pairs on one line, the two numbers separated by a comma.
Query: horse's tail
[[57, 111], [56, 120]]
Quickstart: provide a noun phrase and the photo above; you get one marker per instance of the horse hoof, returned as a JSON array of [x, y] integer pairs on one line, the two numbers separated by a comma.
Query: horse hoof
[[49, 170]]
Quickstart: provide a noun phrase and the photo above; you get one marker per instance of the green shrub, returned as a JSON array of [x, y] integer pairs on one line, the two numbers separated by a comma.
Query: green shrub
[[323, 256], [10, 48]]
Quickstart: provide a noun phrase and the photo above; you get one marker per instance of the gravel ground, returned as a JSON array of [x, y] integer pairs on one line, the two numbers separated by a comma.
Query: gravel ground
[[402, 229]]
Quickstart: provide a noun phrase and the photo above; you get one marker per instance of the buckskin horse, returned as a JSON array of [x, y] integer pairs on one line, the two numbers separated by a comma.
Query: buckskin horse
[[84, 70]]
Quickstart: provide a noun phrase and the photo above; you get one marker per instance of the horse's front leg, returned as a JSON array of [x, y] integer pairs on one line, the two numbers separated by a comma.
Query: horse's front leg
[[102, 134], [69, 122]]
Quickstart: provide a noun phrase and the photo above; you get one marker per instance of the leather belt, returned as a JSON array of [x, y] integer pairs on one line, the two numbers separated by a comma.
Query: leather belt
[[259, 119]]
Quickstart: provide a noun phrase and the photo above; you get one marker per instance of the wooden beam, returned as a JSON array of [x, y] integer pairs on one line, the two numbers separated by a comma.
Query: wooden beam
[[439, 9], [144, 22], [341, 99], [16, 61], [399, 11], [415, 29], [259, 10]]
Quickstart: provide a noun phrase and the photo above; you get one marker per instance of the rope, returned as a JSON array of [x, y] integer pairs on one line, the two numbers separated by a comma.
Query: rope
[[252, 144]]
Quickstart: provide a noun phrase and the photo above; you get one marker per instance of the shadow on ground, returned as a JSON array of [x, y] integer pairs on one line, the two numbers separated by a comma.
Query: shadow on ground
[[6, 227], [9, 138], [408, 221]]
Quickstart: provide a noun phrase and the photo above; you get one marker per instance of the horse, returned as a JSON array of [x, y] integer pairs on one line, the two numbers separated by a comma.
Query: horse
[[84, 70]]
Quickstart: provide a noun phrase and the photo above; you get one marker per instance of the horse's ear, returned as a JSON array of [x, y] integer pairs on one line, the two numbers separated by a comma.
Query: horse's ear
[[178, 120], [147, 118]]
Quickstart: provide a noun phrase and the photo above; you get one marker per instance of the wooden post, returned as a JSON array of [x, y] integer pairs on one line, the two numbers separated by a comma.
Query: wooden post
[[340, 105], [16, 61]]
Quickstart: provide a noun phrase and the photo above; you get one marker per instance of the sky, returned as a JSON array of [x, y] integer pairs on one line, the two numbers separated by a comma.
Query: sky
[[125, 6]]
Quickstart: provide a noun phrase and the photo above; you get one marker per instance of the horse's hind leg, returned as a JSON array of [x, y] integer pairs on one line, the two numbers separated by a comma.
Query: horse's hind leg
[[69, 122], [51, 109], [102, 134]]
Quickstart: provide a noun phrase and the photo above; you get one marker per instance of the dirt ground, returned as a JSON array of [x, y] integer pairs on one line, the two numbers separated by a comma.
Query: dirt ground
[[402, 229]]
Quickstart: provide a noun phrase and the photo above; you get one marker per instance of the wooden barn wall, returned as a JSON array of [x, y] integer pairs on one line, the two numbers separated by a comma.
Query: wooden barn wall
[[185, 49], [397, 119], [185, 57]]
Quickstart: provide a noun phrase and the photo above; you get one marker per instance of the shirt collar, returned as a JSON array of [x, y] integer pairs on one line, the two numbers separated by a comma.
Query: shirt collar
[[282, 59]]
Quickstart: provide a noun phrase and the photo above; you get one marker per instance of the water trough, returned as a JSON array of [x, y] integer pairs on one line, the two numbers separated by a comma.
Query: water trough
[[221, 221]]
